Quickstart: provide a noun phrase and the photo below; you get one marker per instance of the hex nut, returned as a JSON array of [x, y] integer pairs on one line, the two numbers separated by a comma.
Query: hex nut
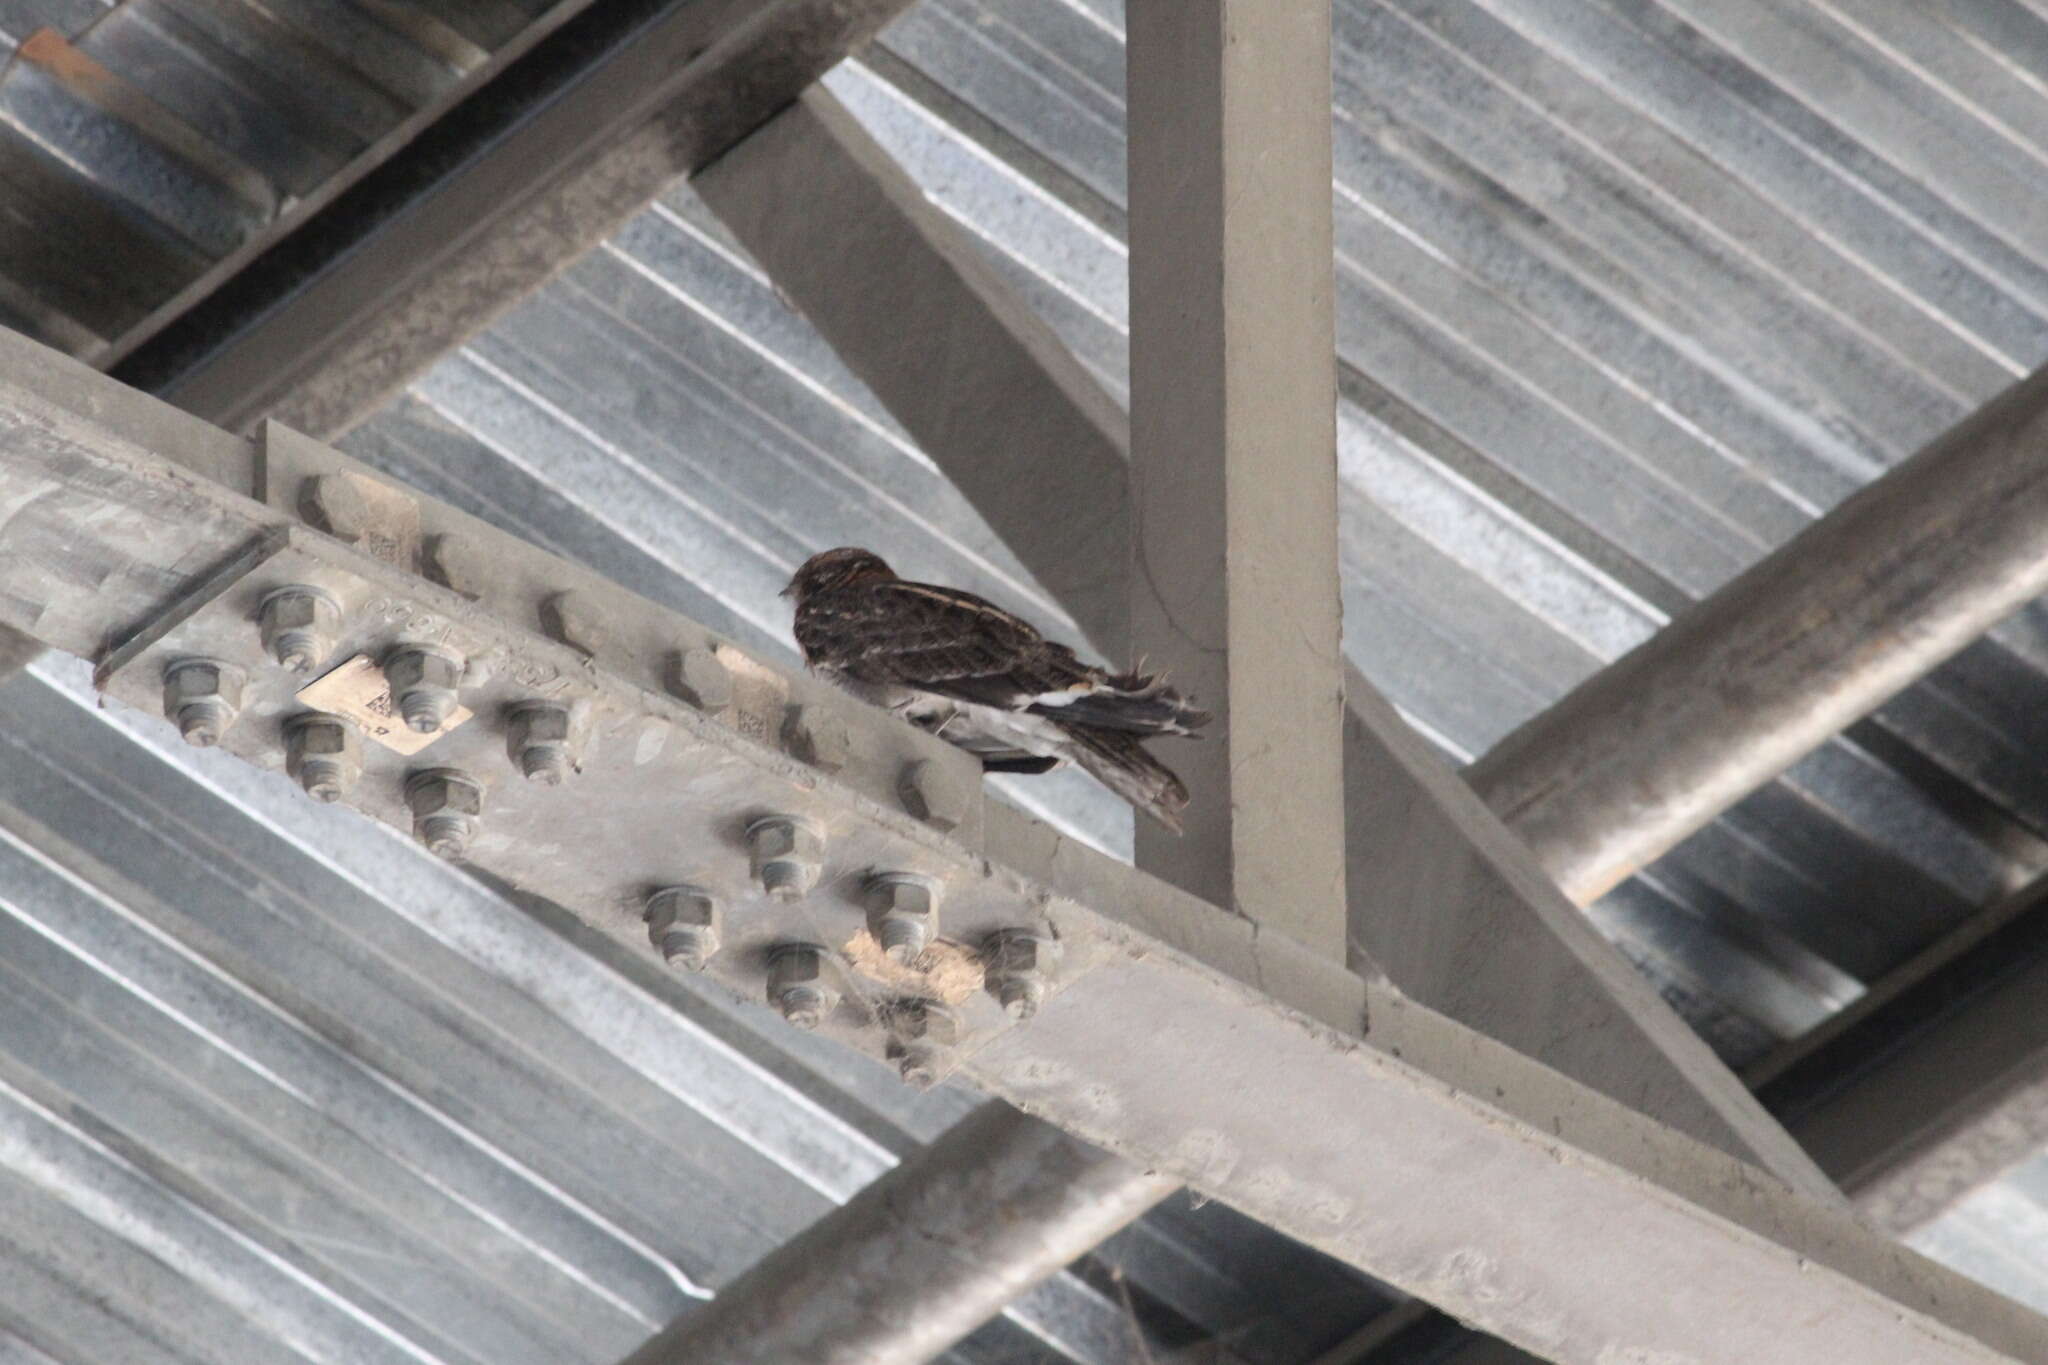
[[818, 737], [933, 794], [902, 913], [701, 678], [541, 739], [578, 620], [322, 754], [923, 1032], [298, 625], [798, 985], [424, 681], [1017, 964], [446, 804], [787, 853], [202, 697], [682, 924], [924, 1021]]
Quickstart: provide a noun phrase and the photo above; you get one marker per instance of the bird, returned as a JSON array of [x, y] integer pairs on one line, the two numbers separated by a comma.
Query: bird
[[986, 680]]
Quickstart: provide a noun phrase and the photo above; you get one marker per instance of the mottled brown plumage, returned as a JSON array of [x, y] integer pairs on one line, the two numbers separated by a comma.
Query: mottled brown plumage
[[986, 679]]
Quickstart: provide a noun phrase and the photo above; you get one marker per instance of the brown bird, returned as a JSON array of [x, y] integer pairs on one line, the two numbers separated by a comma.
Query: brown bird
[[980, 677]]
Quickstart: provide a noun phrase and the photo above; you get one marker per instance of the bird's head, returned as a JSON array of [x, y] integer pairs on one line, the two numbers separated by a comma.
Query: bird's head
[[832, 569]]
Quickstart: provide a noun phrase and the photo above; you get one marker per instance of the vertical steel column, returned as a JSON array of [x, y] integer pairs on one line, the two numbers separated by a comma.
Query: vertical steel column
[[1233, 444]]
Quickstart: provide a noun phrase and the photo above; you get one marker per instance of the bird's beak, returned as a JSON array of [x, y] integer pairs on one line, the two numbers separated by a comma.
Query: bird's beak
[[789, 591]]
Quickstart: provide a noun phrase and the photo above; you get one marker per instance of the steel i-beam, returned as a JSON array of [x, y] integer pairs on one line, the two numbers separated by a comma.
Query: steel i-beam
[[1259, 1072]]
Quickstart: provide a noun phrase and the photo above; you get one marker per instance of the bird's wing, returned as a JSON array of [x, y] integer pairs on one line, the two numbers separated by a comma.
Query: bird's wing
[[954, 644], [935, 639]]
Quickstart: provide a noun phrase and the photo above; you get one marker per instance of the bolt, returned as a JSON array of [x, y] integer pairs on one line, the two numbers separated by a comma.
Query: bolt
[[445, 805], [702, 679], [933, 794], [577, 619], [455, 562], [924, 1032], [903, 913], [298, 625], [788, 853], [423, 680], [202, 697], [335, 503], [540, 736], [923, 1021], [797, 985], [682, 922], [321, 753], [1016, 962], [818, 737]]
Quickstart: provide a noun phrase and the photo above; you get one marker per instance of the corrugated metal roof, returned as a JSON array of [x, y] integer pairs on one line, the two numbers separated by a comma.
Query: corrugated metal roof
[[178, 137], [1628, 292]]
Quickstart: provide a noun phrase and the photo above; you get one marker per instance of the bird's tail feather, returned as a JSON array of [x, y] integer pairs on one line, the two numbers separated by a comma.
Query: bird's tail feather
[[1134, 702], [1118, 761]]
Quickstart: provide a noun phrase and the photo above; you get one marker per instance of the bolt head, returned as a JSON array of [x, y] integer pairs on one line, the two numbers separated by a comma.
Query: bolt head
[[335, 503], [577, 619], [455, 562], [933, 794], [818, 737], [702, 679], [438, 791]]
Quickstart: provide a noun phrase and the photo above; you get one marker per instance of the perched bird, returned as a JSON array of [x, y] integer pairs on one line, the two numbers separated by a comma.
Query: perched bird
[[972, 673]]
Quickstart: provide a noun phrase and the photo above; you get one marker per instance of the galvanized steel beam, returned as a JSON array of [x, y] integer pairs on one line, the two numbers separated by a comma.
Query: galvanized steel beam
[[1337, 1111], [1840, 618], [1233, 531], [999, 1195], [668, 97]]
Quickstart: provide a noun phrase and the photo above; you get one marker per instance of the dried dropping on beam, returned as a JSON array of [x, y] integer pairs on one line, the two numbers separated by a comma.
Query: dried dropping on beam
[[986, 680]]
